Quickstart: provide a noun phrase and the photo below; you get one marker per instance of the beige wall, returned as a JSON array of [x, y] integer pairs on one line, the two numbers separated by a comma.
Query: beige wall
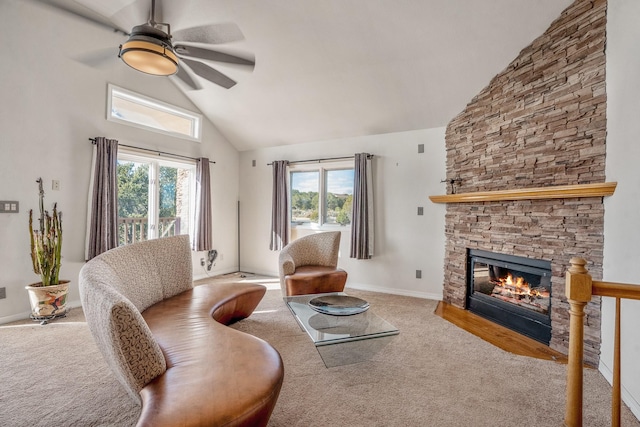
[[622, 210], [403, 180]]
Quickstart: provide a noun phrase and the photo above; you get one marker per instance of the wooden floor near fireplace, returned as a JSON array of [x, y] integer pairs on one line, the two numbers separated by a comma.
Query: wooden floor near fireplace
[[497, 335]]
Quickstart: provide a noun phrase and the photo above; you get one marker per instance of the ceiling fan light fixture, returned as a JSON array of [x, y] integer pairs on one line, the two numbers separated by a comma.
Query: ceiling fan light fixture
[[149, 50]]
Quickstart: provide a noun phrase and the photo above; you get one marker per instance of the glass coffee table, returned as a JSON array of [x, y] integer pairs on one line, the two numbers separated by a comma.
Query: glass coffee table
[[329, 329]]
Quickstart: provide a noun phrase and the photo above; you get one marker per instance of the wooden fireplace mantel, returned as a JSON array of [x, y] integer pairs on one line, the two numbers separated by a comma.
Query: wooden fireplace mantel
[[555, 192]]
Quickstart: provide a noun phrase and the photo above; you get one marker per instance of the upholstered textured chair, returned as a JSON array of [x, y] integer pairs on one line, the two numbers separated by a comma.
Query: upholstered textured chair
[[308, 265]]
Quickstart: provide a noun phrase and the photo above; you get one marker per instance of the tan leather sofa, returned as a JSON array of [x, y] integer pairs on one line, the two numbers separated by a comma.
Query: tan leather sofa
[[167, 343], [309, 265]]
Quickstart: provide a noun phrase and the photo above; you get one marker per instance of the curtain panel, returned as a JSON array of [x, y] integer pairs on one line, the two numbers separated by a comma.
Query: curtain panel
[[362, 209], [102, 223], [202, 237], [279, 207]]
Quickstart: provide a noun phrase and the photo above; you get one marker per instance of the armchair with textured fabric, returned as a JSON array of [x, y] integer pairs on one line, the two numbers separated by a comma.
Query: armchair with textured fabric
[[309, 265]]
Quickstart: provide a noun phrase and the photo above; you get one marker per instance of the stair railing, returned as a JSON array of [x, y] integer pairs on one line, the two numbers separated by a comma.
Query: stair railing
[[579, 290]]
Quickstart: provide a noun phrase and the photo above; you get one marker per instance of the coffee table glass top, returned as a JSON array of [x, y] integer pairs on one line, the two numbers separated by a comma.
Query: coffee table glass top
[[325, 329]]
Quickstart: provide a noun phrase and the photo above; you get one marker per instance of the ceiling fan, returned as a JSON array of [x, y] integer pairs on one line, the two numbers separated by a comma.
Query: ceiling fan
[[150, 47]]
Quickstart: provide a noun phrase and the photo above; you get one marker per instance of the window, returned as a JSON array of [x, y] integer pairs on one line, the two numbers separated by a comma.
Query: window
[[155, 198], [137, 110], [321, 196]]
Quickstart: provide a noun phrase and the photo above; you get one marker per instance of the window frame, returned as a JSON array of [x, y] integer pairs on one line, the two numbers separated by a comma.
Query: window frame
[[195, 118], [321, 168], [153, 195]]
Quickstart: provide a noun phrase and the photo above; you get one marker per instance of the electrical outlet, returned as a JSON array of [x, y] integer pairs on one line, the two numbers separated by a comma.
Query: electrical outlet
[[420, 210], [202, 262], [3, 292], [420, 148], [418, 274], [55, 185], [221, 256]]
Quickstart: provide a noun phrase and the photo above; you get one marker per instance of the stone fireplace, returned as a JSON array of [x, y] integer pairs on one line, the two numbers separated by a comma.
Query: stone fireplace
[[539, 123]]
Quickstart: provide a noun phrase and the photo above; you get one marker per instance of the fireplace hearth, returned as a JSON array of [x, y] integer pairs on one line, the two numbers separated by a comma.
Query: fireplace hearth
[[512, 291]]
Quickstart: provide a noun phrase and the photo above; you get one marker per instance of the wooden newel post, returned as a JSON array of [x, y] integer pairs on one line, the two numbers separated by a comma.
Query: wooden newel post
[[578, 292]]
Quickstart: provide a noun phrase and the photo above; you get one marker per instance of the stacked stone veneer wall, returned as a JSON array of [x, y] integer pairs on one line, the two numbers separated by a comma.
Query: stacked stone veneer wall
[[540, 122]]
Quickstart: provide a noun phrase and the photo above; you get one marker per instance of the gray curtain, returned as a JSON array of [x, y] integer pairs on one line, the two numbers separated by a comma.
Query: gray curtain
[[362, 213], [201, 239], [279, 207], [103, 209]]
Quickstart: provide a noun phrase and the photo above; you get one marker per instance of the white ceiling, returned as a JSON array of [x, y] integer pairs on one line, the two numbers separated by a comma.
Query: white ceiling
[[328, 69]]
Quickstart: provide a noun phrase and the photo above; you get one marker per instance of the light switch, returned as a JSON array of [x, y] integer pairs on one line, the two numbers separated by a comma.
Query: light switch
[[10, 206]]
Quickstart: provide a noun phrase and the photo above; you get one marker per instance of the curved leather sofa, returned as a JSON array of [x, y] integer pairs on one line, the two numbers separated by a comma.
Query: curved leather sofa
[[169, 346]]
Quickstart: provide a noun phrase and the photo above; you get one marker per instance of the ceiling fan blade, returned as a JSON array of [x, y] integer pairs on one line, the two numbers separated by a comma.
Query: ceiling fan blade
[[225, 32], [211, 55], [209, 73], [98, 58], [121, 13], [78, 11], [186, 78]]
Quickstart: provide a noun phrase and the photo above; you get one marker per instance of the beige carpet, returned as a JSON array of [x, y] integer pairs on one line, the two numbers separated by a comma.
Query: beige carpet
[[53, 375], [432, 374]]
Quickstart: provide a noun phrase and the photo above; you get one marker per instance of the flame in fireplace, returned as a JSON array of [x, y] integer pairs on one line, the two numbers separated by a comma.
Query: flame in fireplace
[[518, 287], [517, 291]]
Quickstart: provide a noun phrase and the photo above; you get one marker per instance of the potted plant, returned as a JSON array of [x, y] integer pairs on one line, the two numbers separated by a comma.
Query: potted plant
[[49, 296]]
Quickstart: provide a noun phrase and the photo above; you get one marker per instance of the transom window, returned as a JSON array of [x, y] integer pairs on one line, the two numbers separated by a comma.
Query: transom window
[[140, 111], [321, 196], [155, 198]]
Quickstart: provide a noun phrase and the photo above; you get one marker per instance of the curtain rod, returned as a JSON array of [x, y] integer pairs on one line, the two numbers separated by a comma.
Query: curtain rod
[[159, 153], [322, 160]]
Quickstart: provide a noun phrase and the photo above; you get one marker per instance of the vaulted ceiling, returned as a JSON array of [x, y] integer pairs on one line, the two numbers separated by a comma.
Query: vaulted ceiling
[[330, 69]]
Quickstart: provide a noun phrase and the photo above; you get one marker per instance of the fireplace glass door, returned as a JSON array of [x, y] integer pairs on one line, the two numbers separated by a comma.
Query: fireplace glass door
[[513, 291]]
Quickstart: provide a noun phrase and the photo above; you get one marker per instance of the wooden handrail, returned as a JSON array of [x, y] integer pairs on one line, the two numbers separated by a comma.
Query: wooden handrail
[[579, 289], [616, 290]]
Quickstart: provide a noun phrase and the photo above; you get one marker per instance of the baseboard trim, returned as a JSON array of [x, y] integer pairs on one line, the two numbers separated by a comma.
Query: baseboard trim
[[212, 273], [14, 317], [258, 272], [25, 314], [393, 291]]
